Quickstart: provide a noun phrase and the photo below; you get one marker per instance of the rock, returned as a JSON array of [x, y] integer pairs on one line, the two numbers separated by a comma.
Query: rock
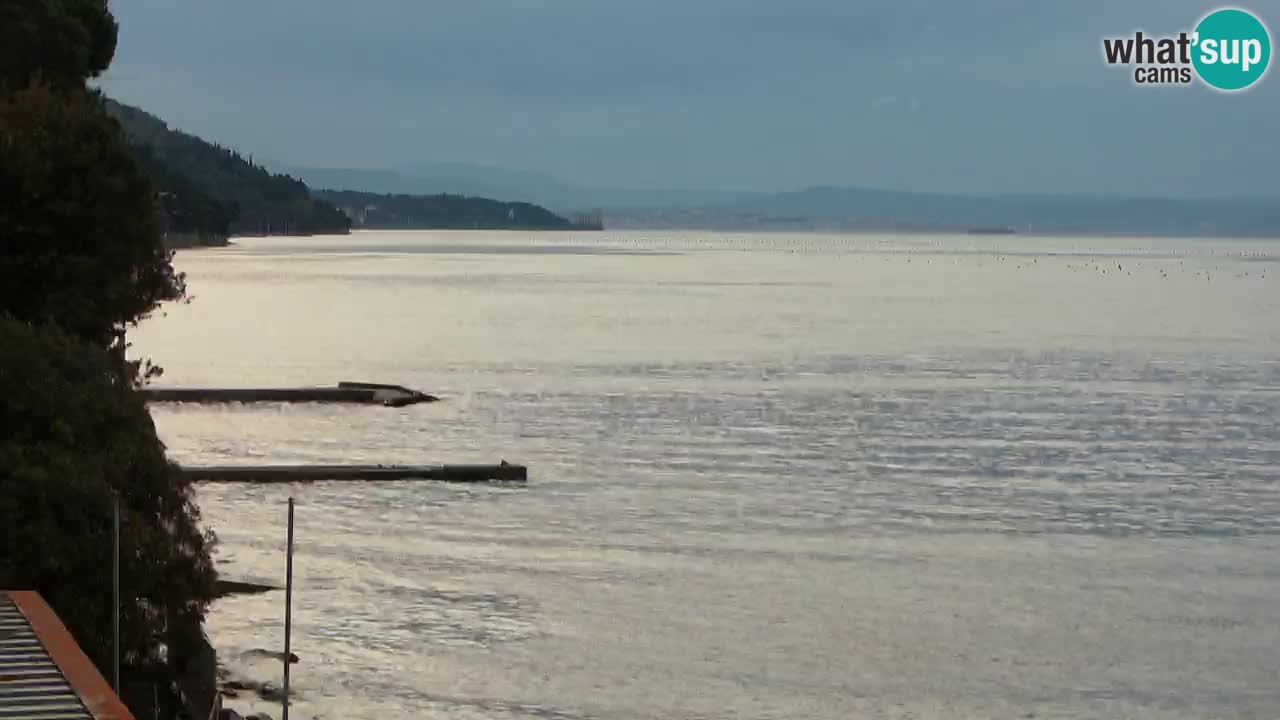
[[270, 691], [236, 684], [271, 655], [199, 680]]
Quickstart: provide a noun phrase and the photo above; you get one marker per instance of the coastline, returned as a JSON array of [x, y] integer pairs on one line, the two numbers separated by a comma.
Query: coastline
[[185, 240]]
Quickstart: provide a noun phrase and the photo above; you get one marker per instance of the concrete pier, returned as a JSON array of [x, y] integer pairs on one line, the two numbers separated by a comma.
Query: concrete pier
[[224, 588], [356, 473], [343, 392]]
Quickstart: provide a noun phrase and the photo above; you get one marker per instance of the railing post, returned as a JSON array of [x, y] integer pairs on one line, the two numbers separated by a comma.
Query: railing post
[[288, 611], [115, 592]]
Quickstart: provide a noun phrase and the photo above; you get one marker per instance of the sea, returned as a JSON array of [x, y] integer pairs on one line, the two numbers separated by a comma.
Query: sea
[[771, 476]]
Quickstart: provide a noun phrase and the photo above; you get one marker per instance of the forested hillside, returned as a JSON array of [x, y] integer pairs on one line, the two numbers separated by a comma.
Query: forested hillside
[[372, 210], [209, 190]]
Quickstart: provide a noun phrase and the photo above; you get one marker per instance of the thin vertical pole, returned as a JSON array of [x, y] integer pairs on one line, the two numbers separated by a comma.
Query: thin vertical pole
[[288, 611], [115, 593]]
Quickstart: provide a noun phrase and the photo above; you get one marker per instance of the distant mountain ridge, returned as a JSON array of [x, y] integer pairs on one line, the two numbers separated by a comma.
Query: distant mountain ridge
[[883, 209], [832, 207]]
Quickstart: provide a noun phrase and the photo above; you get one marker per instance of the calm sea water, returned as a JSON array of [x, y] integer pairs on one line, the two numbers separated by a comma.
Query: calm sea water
[[772, 476]]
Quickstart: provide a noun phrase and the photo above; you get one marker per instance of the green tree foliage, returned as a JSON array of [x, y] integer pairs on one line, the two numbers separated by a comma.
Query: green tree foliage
[[258, 201], [78, 228], [443, 211], [81, 259], [73, 434], [184, 207], [60, 42]]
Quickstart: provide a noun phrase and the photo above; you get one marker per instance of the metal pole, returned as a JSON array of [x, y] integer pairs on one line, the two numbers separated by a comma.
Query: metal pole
[[288, 615], [115, 593]]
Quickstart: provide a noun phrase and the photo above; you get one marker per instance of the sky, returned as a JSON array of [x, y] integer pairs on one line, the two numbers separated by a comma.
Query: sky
[[985, 96]]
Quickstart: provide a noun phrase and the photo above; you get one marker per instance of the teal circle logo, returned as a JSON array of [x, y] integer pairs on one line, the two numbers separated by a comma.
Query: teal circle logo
[[1231, 49]]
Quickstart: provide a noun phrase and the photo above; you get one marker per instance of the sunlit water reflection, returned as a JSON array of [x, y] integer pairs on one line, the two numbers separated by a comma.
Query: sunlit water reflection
[[773, 476]]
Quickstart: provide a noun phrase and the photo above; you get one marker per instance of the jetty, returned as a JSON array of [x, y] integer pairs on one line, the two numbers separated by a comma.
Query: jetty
[[275, 474], [226, 588], [344, 392]]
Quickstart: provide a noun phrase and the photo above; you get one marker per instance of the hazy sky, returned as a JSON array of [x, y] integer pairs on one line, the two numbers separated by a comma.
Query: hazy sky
[[978, 96]]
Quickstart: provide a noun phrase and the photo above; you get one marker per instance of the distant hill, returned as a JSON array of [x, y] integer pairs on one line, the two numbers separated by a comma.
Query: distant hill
[[853, 209], [483, 181], [209, 191], [885, 209], [374, 210], [835, 208], [191, 216]]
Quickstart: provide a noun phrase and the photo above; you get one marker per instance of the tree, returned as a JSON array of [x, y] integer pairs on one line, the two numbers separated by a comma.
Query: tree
[[61, 42], [81, 259], [78, 228], [74, 434], [187, 166]]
